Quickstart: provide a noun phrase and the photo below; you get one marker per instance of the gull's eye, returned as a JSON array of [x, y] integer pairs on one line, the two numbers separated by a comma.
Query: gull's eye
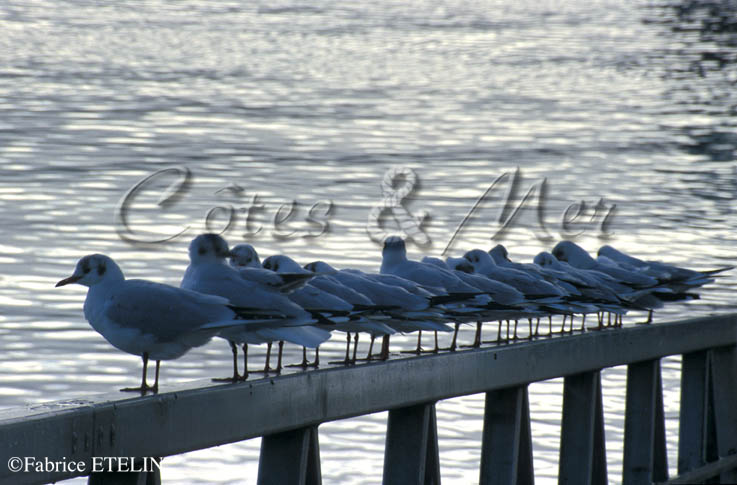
[[276, 266], [202, 250], [86, 270]]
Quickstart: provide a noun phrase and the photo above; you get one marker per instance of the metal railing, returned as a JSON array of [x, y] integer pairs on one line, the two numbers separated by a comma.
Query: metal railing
[[287, 410]]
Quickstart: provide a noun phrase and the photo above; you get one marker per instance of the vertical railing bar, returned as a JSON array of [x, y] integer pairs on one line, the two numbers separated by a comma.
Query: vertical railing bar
[[724, 380], [432, 462], [639, 423], [598, 461], [314, 468], [711, 453], [407, 441], [500, 442], [692, 416], [577, 428], [525, 464], [284, 457], [660, 452]]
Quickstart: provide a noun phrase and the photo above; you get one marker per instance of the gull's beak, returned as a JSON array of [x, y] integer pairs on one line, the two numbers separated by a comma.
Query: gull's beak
[[66, 281]]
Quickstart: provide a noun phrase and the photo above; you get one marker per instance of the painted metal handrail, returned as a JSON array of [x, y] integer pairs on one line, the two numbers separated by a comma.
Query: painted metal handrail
[[287, 410]]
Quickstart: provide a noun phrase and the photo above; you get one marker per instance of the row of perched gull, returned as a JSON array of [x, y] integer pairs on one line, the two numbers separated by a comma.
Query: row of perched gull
[[231, 294]]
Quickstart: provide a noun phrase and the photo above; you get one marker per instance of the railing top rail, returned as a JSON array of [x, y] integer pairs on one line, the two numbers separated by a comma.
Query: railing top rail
[[200, 415]]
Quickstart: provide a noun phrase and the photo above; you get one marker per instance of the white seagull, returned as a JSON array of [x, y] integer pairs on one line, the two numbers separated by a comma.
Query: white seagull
[[244, 258], [405, 303], [343, 316], [209, 273], [151, 320]]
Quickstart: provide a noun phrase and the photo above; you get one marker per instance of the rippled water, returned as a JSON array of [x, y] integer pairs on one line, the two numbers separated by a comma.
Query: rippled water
[[630, 103]]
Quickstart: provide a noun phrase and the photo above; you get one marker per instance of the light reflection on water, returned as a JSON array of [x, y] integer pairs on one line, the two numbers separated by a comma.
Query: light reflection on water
[[633, 103]]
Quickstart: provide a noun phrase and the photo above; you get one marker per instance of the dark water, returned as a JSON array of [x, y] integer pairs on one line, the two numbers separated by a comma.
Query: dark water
[[629, 104]]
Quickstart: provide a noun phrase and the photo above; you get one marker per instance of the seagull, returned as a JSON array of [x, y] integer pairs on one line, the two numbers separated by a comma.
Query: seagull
[[394, 261], [576, 256], [328, 305], [465, 298], [500, 255], [508, 302], [550, 298], [677, 278], [405, 303], [244, 258], [530, 285], [209, 273], [644, 291], [566, 281], [151, 320]]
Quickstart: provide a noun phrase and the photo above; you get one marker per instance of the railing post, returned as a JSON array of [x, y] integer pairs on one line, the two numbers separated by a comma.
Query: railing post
[[125, 478], [692, 416], [139, 471], [506, 448], [724, 380], [582, 444], [411, 453], [291, 457], [644, 425]]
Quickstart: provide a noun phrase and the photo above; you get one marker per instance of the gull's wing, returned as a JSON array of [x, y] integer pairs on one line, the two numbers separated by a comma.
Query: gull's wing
[[163, 311]]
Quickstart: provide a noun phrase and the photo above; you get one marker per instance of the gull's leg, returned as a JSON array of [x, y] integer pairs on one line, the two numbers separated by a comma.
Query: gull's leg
[[236, 376], [571, 323], [437, 347], [304, 364], [234, 349], [418, 350], [355, 347], [347, 348], [537, 327], [563, 327], [453, 342], [278, 362], [508, 323], [384, 348], [144, 387], [499, 333], [477, 336], [371, 347], [155, 389], [531, 335], [245, 361], [514, 337], [267, 368], [583, 322], [550, 324]]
